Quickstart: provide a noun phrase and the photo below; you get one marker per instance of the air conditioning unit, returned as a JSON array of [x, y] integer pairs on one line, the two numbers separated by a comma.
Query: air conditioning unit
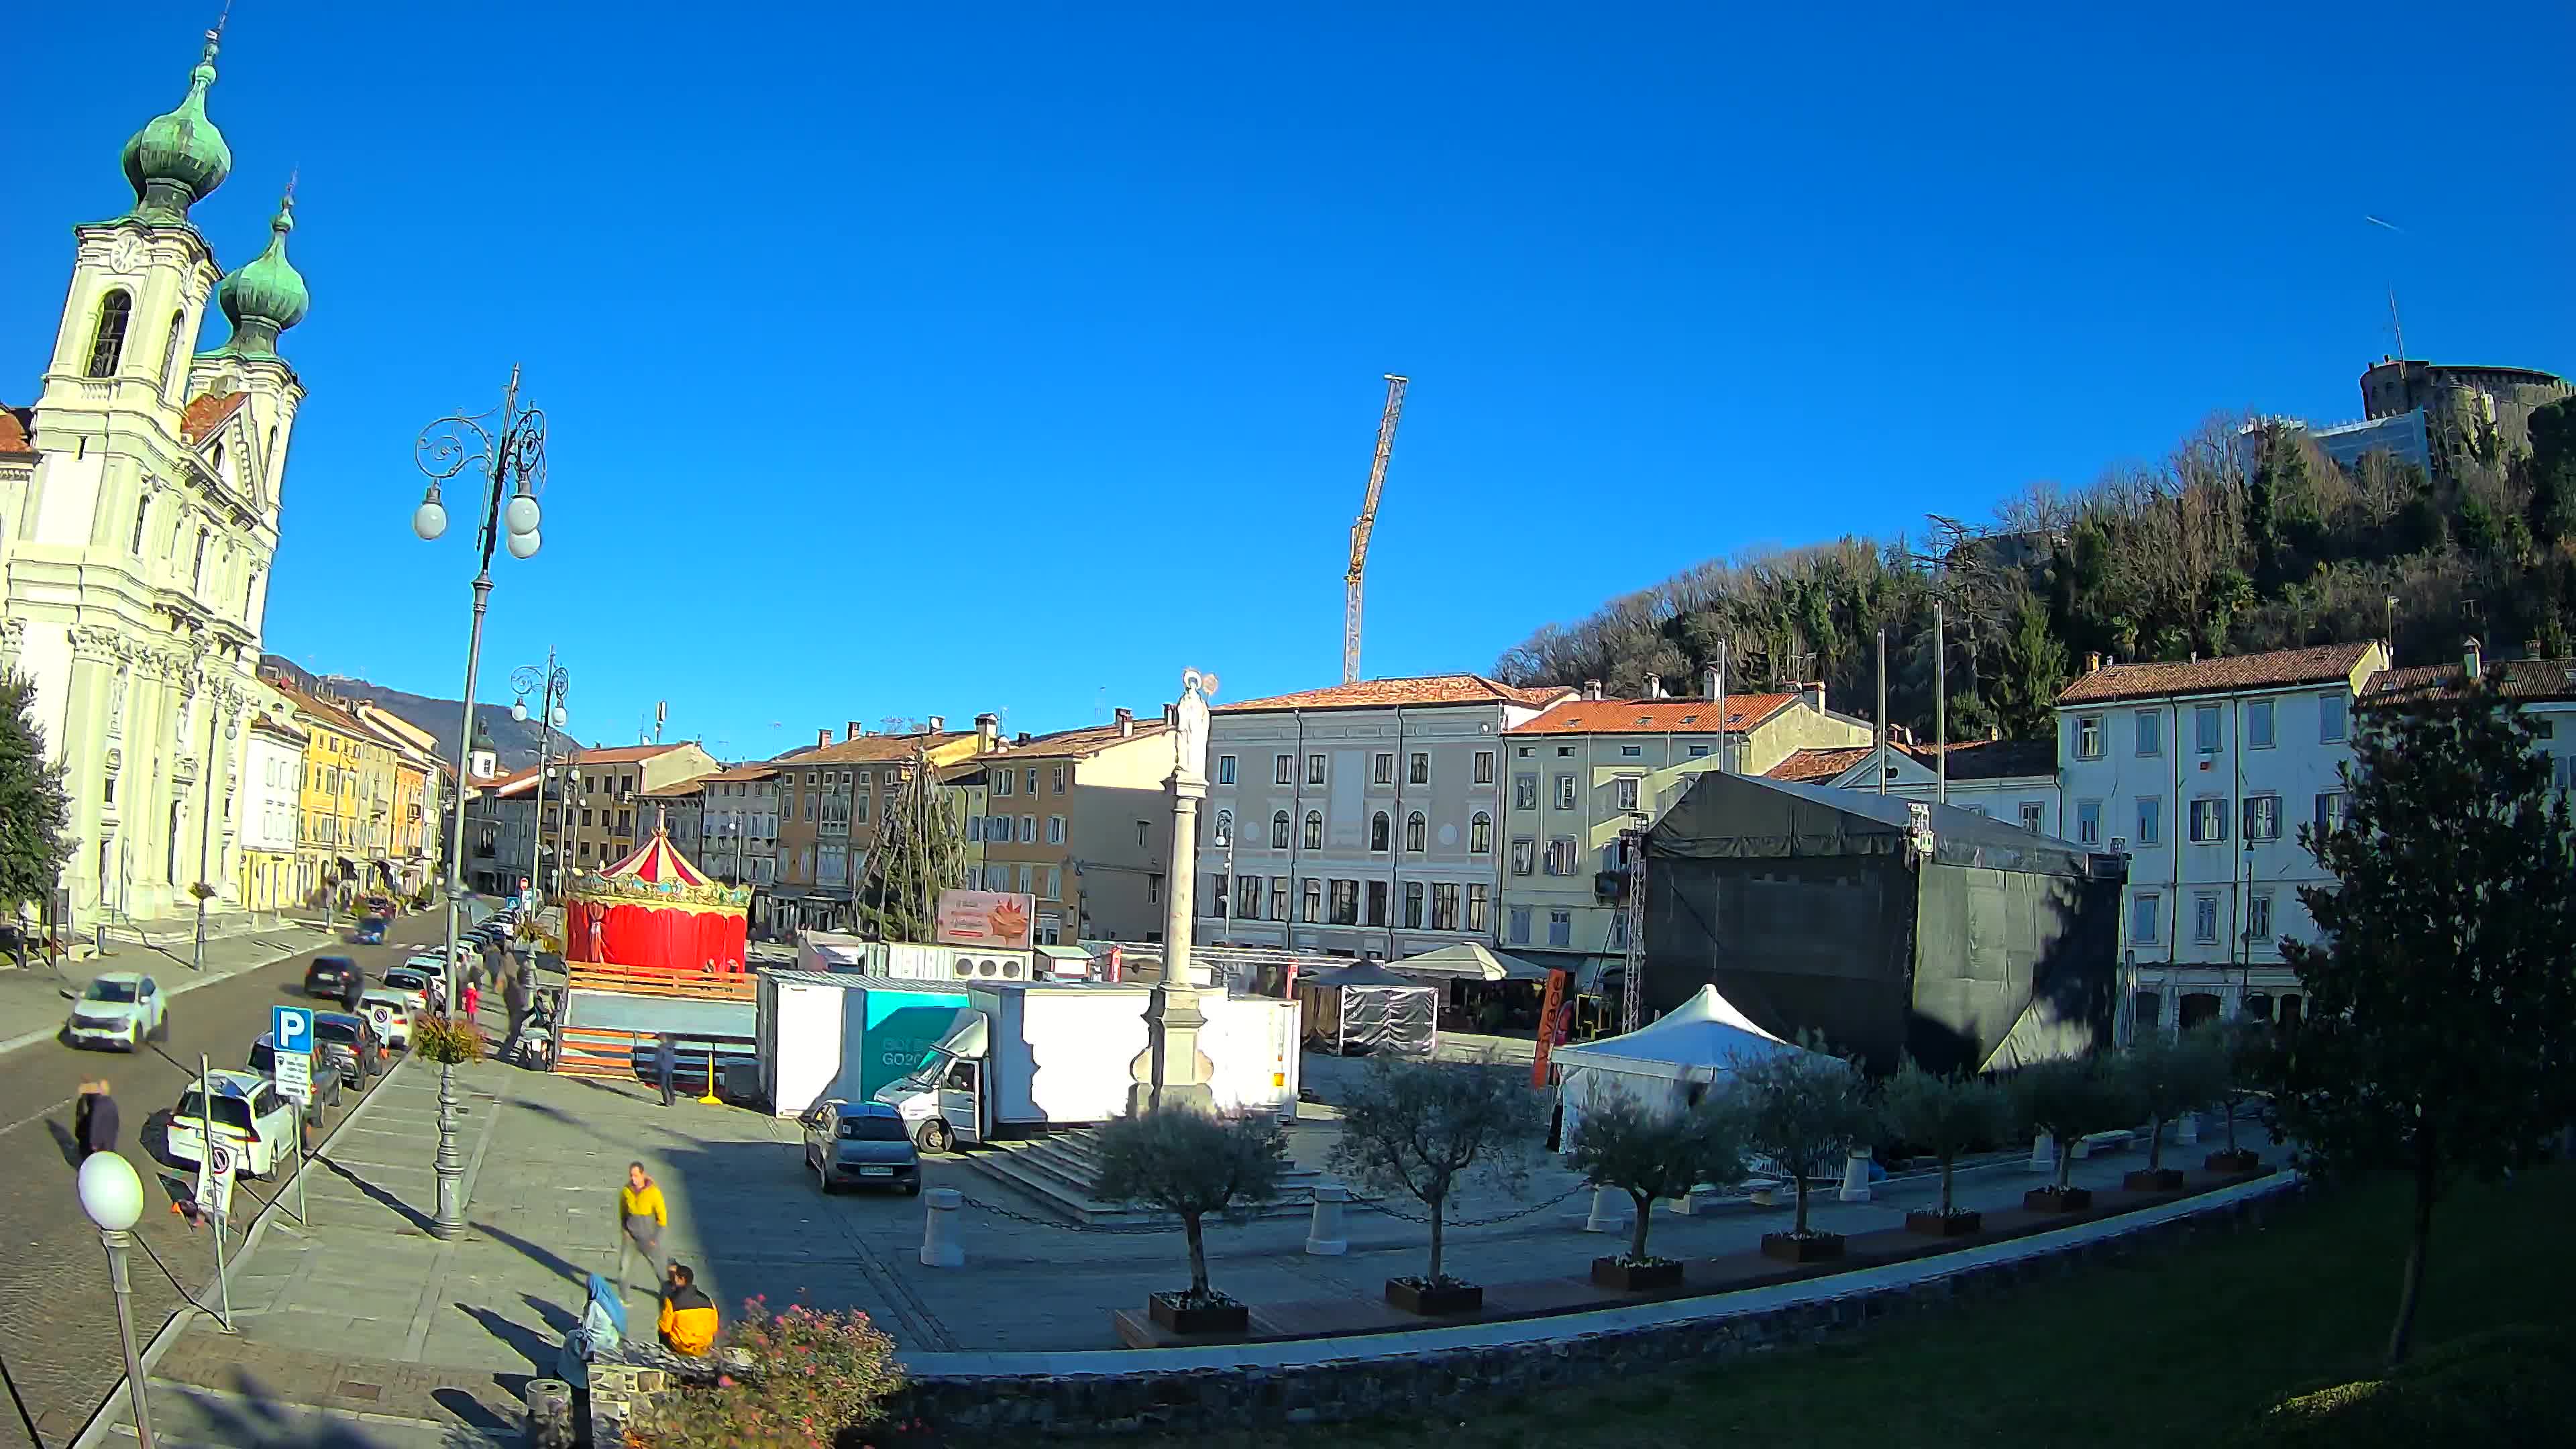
[[972, 965]]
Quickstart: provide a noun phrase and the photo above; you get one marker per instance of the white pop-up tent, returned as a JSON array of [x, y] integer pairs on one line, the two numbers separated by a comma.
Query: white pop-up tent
[[1669, 1063]]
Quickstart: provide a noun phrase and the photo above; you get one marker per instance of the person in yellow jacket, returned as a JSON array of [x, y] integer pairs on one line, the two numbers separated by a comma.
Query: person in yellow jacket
[[641, 1217], [688, 1315]]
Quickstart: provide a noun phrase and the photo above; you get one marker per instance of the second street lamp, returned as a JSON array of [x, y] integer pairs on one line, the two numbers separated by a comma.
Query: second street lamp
[[550, 685], [504, 450]]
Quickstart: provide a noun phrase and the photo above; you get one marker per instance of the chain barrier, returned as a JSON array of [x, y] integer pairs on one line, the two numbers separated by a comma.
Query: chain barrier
[[145, 1244], [1378, 1205]]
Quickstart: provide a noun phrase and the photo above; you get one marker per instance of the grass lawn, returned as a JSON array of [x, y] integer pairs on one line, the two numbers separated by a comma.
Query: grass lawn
[[2171, 1348]]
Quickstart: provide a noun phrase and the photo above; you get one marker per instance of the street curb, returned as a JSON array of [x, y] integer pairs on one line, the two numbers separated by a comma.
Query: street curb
[[102, 1419], [176, 988]]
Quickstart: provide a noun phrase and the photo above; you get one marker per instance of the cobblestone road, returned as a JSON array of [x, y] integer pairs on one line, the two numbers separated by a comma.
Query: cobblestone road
[[58, 1343]]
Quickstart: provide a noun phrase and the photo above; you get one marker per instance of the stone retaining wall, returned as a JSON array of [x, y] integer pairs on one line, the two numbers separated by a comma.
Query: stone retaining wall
[[1453, 1379]]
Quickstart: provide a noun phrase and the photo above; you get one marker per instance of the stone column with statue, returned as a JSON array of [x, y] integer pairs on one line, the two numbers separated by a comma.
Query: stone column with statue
[[1172, 1071]]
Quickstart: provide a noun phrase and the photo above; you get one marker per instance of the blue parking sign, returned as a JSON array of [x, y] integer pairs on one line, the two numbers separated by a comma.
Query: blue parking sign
[[291, 1028]]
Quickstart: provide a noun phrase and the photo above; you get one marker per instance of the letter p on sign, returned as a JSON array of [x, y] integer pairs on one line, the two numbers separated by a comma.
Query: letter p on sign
[[292, 1028]]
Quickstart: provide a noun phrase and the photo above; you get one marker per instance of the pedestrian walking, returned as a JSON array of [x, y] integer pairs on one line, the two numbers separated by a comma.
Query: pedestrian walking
[[515, 996], [641, 1215], [669, 1052], [472, 996], [95, 1120]]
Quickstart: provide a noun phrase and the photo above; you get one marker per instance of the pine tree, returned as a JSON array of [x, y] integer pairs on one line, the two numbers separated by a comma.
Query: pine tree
[[920, 851], [33, 810], [2440, 1031]]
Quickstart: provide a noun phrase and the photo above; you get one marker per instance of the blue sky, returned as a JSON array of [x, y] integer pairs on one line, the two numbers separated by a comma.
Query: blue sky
[[936, 359]]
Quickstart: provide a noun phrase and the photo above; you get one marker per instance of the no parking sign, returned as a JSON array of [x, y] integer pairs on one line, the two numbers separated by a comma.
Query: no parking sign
[[215, 1169]]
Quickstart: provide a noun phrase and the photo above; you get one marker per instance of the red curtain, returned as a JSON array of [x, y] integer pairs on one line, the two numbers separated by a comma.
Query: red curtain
[[668, 939]]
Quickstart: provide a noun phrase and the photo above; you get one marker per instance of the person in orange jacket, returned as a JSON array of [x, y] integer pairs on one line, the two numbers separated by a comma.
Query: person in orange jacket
[[688, 1315]]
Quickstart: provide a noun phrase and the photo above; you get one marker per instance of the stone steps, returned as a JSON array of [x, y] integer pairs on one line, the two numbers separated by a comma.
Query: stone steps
[[1060, 1169]]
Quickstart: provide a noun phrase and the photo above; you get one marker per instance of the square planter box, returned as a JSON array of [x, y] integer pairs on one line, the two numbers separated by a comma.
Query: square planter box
[[2159, 1179], [1814, 1248], [1935, 1225], [1623, 1277], [1434, 1302], [1167, 1310], [2055, 1200], [2242, 1160]]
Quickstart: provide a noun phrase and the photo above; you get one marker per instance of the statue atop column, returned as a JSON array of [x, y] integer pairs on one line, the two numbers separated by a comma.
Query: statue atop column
[[1172, 1071]]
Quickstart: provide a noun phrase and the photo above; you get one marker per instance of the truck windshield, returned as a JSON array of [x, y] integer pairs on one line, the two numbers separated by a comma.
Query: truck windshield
[[871, 1129]]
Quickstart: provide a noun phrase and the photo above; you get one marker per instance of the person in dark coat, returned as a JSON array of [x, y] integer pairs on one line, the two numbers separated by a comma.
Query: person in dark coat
[[96, 1116], [514, 995]]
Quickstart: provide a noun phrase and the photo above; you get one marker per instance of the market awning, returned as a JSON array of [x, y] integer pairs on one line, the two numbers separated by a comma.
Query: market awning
[[1467, 961]]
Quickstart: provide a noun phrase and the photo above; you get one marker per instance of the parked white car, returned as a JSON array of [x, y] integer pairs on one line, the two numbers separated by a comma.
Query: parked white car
[[120, 1008], [389, 1012], [248, 1114]]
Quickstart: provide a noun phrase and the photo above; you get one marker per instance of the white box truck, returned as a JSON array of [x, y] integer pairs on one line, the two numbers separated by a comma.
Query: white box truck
[[840, 1034], [1064, 1053]]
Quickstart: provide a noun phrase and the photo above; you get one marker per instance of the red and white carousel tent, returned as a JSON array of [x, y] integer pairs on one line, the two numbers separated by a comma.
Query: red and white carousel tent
[[655, 909]]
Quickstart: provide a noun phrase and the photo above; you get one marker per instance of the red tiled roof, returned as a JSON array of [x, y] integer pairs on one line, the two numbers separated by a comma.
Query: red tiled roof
[[2529, 679], [511, 783], [1427, 689], [1817, 767], [762, 771], [624, 754], [207, 413], [1077, 744], [2319, 664], [13, 432], [867, 749], [1654, 716]]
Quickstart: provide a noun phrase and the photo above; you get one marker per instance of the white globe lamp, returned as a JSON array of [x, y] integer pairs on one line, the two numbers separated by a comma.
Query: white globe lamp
[[110, 1192]]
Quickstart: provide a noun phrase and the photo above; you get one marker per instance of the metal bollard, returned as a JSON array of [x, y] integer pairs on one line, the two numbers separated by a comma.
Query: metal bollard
[[939, 1245], [1609, 1211], [2043, 1153], [550, 1411], [1324, 1235], [1856, 1176]]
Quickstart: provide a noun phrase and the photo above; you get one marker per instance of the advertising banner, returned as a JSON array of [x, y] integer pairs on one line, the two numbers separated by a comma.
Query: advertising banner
[[1551, 1025], [985, 918]]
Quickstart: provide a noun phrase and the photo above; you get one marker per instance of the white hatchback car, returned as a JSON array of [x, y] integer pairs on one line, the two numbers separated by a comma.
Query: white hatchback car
[[120, 1008], [249, 1115], [389, 1012]]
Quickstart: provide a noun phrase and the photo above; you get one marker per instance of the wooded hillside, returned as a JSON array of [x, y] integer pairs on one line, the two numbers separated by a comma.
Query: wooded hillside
[[2247, 538]]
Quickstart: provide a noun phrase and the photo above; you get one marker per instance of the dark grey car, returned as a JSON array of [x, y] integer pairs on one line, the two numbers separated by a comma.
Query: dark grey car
[[860, 1144]]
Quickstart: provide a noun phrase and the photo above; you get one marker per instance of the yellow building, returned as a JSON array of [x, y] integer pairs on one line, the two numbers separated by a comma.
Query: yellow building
[[344, 832], [273, 772]]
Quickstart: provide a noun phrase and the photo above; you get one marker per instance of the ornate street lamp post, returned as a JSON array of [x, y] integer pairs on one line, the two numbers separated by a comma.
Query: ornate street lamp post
[[506, 451], [112, 1196], [550, 684]]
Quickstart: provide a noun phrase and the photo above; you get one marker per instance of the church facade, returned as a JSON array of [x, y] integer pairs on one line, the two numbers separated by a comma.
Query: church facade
[[139, 506]]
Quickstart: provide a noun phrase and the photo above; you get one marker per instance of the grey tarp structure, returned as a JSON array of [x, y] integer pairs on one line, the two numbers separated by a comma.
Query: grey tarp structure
[[1364, 1007], [1887, 926], [1467, 961]]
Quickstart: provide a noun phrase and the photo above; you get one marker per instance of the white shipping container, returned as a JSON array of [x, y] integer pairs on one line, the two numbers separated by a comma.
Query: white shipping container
[[841, 1034], [1252, 1043]]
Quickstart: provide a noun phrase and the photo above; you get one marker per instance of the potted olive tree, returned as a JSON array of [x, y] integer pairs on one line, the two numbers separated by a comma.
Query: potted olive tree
[[1804, 1111], [1191, 1164], [2232, 1048], [2069, 1098], [1620, 1143], [2170, 1076], [1418, 1128], [1943, 1116]]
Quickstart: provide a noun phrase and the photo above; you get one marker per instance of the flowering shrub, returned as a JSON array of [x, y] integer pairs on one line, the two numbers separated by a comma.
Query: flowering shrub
[[447, 1039], [815, 1377]]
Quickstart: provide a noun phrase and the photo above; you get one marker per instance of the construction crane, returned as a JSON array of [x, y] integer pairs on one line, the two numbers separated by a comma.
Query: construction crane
[[1360, 529]]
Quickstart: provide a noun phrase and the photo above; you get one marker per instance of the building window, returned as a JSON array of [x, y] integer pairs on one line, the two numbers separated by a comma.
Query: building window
[[2151, 821], [2088, 737], [1057, 781], [1002, 782], [1279, 898], [1632, 752], [2204, 919], [1028, 882], [107, 341], [1525, 792], [1444, 906], [1225, 769], [1376, 903], [1279, 830], [1145, 835], [2208, 820], [1311, 906], [1565, 792], [2143, 925], [1480, 834], [1623, 794], [1028, 830], [2329, 813], [2207, 726], [1484, 771], [2034, 816], [1560, 928], [1055, 828], [2262, 817], [1417, 768], [1382, 769], [2258, 725], [1381, 832], [1224, 827], [2151, 733], [1415, 832], [1314, 830], [1479, 902], [1284, 770], [197, 572], [1619, 931], [1314, 769], [1560, 855], [2088, 822], [1413, 905], [1524, 855], [2330, 722], [1346, 903], [1698, 752], [1520, 925], [142, 513], [2258, 916]]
